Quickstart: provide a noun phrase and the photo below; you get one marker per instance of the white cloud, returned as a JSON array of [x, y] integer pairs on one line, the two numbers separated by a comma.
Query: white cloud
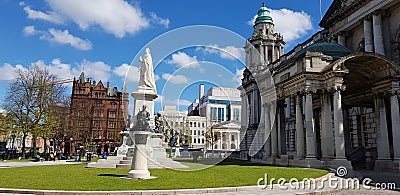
[[292, 25], [156, 77], [228, 52], [183, 60], [50, 16], [117, 17], [29, 30], [132, 71], [97, 70], [239, 73], [60, 37], [8, 71], [158, 20], [64, 37], [21, 3], [175, 79], [176, 102]]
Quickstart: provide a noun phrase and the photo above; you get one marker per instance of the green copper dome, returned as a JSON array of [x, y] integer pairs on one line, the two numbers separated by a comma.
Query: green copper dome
[[263, 15]]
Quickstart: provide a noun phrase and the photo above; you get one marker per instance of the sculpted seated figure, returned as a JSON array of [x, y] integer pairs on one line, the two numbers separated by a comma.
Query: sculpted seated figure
[[142, 123]]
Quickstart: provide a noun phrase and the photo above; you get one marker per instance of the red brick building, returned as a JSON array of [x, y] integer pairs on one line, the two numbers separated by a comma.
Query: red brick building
[[96, 114]]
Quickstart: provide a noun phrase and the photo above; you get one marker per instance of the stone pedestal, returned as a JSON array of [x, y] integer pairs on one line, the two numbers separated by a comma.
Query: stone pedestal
[[155, 148], [139, 168], [125, 149], [177, 152]]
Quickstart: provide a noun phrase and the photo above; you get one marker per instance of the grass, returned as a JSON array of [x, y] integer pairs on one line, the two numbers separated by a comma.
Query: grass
[[77, 177]]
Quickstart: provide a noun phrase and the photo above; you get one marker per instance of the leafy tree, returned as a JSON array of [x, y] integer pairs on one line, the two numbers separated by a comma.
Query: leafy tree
[[29, 102]]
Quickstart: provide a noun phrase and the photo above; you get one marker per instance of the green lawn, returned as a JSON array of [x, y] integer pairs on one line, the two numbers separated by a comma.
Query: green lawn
[[77, 177]]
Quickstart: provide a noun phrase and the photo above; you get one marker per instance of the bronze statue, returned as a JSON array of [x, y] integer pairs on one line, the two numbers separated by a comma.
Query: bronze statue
[[142, 123]]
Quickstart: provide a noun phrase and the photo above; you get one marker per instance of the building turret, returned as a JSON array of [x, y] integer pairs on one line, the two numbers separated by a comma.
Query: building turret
[[264, 46]]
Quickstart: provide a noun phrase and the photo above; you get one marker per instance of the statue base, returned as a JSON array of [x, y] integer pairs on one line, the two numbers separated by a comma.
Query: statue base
[[139, 169]]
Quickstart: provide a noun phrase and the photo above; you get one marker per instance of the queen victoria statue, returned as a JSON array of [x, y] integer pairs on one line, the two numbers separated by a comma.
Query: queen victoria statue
[[146, 80]]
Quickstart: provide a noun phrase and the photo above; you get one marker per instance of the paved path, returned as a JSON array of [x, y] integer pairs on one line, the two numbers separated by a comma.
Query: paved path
[[5, 164]]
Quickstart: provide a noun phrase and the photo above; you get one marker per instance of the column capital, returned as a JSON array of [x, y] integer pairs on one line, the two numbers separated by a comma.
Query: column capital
[[336, 88], [309, 90]]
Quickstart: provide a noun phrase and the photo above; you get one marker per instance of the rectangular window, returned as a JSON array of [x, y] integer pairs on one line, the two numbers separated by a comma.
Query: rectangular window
[[191, 124], [194, 140], [96, 123], [195, 124], [99, 104], [80, 123], [220, 114], [194, 132], [232, 137], [113, 105], [111, 125], [202, 124], [236, 114], [213, 114], [113, 115]]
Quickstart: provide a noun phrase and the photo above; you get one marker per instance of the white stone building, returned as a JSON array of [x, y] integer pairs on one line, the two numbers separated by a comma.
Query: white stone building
[[332, 100], [178, 120], [221, 108]]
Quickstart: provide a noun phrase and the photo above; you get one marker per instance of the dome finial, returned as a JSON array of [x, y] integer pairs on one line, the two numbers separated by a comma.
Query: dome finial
[[263, 15]]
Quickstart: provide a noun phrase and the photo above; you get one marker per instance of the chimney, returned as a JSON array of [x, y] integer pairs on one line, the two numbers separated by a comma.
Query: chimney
[[201, 91]]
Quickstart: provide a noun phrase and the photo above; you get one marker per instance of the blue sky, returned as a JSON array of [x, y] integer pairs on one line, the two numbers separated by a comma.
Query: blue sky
[[105, 37]]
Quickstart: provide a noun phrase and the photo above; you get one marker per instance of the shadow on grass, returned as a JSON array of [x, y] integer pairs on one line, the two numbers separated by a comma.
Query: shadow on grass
[[221, 162], [111, 175]]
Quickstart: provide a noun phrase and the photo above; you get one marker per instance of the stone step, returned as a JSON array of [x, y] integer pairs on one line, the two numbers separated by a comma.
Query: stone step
[[114, 158], [123, 166], [104, 161], [104, 165], [125, 162], [127, 158]]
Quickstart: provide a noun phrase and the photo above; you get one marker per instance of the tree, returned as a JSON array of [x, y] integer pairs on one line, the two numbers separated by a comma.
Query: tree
[[29, 101], [211, 138]]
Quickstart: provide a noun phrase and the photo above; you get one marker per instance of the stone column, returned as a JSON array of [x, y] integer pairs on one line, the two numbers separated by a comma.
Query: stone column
[[278, 126], [326, 127], [394, 108], [299, 128], [273, 53], [378, 35], [369, 47], [341, 39], [267, 146], [252, 108], [266, 54], [274, 133], [382, 139], [338, 123], [310, 129], [245, 117], [261, 53], [139, 169]]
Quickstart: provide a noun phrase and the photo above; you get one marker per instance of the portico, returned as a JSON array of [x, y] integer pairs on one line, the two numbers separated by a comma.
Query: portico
[[340, 109]]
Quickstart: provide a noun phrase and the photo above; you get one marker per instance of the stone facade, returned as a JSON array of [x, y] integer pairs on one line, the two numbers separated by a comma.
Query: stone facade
[[332, 100]]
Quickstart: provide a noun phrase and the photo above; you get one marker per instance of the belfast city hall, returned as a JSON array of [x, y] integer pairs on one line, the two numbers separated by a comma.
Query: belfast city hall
[[331, 101]]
